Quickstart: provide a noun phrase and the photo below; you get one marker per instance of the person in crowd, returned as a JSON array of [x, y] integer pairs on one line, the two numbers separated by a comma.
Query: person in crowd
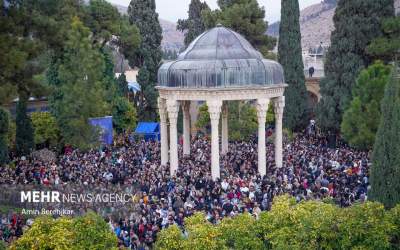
[[311, 170]]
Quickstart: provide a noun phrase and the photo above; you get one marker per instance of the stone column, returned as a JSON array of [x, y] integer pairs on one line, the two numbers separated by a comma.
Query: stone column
[[279, 105], [194, 112], [173, 110], [262, 109], [162, 110], [224, 127], [214, 108], [186, 127]]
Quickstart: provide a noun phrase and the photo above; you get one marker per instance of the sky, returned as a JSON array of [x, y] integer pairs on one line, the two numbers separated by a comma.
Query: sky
[[172, 10]]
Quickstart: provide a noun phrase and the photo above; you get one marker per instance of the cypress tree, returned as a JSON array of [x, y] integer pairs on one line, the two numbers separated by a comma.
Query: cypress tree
[[385, 171], [24, 139], [4, 123], [194, 25], [387, 46], [122, 85], [290, 56], [143, 14], [357, 23]]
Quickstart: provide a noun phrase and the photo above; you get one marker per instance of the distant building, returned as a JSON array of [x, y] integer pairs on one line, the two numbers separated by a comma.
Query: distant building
[[33, 105], [131, 78], [313, 60]]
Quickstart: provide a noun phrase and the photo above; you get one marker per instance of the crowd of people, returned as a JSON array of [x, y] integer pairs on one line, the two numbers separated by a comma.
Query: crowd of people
[[311, 170]]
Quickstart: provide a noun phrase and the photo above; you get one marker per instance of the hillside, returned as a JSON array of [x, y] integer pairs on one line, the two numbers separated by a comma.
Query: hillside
[[172, 39], [316, 23]]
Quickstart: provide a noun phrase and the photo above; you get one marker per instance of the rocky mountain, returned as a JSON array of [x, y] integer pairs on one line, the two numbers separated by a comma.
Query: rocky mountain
[[316, 23], [172, 39]]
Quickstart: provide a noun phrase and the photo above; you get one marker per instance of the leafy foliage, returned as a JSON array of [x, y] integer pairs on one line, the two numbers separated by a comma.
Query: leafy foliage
[[81, 79], [307, 225], [92, 232], [242, 120], [20, 50], [357, 23], [46, 233], [122, 85], [129, 40], [124, 115], [101, 18], [4, 127], [12, 130], [46, 128], [170, 238], [240, 233], [385, 170], [87, 232], [203, 119], [194, 25], [290, 57], [143, 14], [35, 44], [394, 217], [245, 17], [291, 225], [387, 46], [365, 226], [202, 235], [361, 119], [24, 131]]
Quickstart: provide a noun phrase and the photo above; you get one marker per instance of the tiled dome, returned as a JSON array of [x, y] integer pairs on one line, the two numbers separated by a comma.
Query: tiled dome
[[220, 58]]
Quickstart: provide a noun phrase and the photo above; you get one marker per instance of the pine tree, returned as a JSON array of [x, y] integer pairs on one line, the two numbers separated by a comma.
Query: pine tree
[[194, 25], [143, 14], [385, 171], [4, 126], [357, 23], [245, 17], [290, 56], [362, 118], [24, 138], [81, 76]]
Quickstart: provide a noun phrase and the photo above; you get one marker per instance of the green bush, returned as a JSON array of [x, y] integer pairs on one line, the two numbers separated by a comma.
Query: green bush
[[202, 235], [46, 130], [307, 225], [124, 115], [170, 238], [240, 233], [364, 226], [291, 225], [242, 119], [394, 217], [87, 232]]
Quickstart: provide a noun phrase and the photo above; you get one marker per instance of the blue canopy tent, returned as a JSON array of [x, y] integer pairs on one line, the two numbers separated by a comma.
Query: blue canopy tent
[[150, 131], [106, 128]]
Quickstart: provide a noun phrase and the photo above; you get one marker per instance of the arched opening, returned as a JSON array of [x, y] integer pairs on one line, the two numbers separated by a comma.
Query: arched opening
[[312, 102]]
